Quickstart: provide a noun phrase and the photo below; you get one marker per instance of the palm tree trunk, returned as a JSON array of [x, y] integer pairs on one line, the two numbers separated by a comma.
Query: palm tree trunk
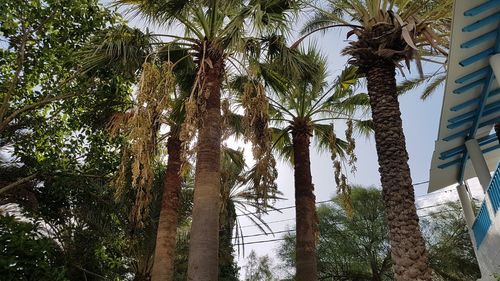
[[227, 267], [166, 238], [305, 209], [407, 245], [204, 239], [497, 131]]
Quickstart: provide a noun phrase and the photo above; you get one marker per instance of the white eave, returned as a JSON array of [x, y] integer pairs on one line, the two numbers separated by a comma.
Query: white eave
[[471, 102]]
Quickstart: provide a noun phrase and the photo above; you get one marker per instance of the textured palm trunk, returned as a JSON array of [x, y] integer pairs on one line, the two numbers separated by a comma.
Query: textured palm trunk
[[204, 236], [226, 258], [305, 208], [407, 245], [166, 238], [497, 131]]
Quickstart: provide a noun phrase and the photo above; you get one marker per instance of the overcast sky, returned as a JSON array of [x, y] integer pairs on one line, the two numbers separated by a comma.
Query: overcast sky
[[420, 123]]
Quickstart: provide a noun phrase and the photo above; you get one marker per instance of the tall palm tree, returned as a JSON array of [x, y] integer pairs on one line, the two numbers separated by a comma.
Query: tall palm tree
[[166, 237], [216, 31], [387, 33], [126, 50], [305, 108]]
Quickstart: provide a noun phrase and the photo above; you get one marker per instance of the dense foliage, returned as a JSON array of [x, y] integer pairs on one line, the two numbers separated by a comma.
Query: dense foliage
[[357, 247]]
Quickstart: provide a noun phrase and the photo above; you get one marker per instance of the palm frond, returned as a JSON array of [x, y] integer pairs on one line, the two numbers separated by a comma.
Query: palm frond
[[122, 48], [364, 127], [433, 86], [282, 144], [157, 11], [323, 135]]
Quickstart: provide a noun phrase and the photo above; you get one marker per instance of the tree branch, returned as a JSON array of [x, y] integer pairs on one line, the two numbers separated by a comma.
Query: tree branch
[[16, 183], [46, 100], [15, 80]]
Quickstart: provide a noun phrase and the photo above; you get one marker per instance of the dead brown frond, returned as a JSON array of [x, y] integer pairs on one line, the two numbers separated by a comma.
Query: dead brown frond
[[351, 145], [153, 96], [343, 188], [256, 124], [118, 123]]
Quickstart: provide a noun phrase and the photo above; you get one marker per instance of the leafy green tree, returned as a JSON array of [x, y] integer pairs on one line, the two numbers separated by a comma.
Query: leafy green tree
[[41, 84], [39, 65], [53, 135], [387, 33], [259, 268], [451, 252], [351, 246], [26, 254]]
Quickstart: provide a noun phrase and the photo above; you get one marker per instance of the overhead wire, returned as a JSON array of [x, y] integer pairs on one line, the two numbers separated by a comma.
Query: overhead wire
[[319, 202]]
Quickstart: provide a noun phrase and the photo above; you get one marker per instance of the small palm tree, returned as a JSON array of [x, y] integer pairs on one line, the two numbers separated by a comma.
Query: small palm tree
[[237, 194], [305, 108], [387, 33]]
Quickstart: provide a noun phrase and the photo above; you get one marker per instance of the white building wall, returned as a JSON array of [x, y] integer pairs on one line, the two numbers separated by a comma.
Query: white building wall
[[488, 254]]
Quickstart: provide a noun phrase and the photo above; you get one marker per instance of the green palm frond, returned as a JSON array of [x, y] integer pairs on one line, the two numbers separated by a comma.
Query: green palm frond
[[122, 47], [321, 20], [411, 84], [364, 127], [235, 125], [323, 135], [282, 144], [290, 63], [355, 102], [431, 82], [433, 86], [157, 11], [273, 15]]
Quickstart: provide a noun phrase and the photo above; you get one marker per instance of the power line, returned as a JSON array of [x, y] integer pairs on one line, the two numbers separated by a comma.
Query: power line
[[258, 242], [271, 222], [293, 219], [266, 234], [292, 230], [319, 202]]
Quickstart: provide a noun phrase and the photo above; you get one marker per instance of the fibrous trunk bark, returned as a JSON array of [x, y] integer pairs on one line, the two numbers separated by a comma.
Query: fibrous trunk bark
[[204, 236], [407, 245], [305, 209], [227, 266], [166, 238]]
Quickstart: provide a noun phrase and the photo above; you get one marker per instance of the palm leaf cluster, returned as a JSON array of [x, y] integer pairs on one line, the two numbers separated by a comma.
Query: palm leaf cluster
[[389, 30]]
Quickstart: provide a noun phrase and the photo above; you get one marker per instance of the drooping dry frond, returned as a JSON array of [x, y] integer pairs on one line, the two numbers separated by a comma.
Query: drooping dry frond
[[256, 123], [343, 189], [118, 123], [142, 126], [351, 145]]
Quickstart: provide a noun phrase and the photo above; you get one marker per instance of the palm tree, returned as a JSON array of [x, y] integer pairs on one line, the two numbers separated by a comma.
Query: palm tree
[[236, 195], [307, 108], [166, 237], [126, 49], [217, 32], [389, 32]]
